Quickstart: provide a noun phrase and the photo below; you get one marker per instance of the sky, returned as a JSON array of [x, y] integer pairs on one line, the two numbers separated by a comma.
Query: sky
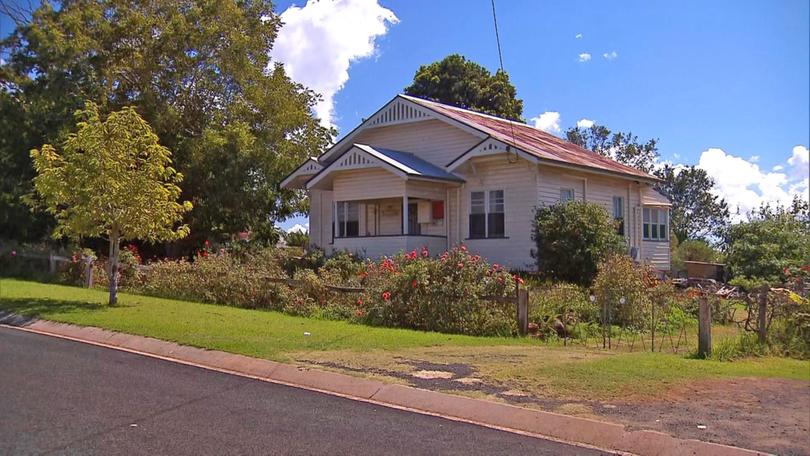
[[723, 85]]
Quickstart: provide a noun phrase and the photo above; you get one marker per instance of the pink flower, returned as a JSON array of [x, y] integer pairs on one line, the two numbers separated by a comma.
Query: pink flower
[[359, 302], [222, 251], [13, 253], [425, 252], [386, 296], [463, 247], [461, 265], [518, 280]]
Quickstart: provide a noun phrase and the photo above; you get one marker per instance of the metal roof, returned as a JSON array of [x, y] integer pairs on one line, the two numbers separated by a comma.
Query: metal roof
[[408, 163], [531, 140], [651, 197]]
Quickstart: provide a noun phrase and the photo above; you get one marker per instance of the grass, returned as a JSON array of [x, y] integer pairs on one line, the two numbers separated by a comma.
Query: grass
[[519, 363]]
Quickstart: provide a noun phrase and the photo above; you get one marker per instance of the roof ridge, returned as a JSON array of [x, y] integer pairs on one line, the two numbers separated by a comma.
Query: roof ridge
[[459, 108]]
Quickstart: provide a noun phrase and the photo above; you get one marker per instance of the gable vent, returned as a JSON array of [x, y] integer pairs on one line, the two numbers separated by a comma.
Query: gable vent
[[396, 113], [354, 160]]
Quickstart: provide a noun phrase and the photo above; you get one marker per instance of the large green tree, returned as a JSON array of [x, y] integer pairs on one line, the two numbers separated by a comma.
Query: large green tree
[[622, 147], [197, 70], [112, 179], [696, 213], [460, 82]]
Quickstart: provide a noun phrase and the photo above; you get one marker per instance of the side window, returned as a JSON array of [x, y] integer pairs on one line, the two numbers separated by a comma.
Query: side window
[[618, 213], [477, 215], [655, 224], [495, 216], [566, 195]]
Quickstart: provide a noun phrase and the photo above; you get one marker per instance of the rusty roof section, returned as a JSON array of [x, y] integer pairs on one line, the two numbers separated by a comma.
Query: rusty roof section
[[532, 140]]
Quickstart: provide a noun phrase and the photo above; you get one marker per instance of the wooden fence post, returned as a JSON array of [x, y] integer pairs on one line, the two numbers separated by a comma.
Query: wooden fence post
[[523, 311], [51, 263], [88, 272], [762, 315], [704, 328]]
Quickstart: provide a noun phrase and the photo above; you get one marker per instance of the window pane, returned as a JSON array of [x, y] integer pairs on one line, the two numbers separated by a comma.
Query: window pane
[[566, 194], [662, 232], [654, 215], [496, 225], [646, 215], [341, 218], [618, 207], [476, 202], [477, 226], [496, 201], [654, 232], [646, 231]]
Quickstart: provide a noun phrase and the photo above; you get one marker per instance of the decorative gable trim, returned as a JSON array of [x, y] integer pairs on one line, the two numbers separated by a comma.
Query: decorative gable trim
[[354, 158], [397, 112], [490, 146], [307, 169]]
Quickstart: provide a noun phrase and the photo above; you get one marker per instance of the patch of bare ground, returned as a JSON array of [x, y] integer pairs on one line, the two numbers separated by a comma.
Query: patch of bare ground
[[766, 414]]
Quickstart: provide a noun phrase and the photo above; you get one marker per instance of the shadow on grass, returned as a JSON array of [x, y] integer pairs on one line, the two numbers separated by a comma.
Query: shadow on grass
[[21, 311]]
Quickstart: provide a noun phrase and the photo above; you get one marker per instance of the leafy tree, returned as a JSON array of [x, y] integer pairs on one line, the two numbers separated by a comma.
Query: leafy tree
[[622, 147], [199, 73], [572, 238], [297, 238], [692, 250], [460, 82], [113, 179], [772, 241], [696, 213]]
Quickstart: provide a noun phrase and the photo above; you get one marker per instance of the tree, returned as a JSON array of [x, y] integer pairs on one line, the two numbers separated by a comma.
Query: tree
[[460, 82], [112, 179], [572, 238], [770, 243], [198, 71], [692, 250], [622, 147], [696, 213]]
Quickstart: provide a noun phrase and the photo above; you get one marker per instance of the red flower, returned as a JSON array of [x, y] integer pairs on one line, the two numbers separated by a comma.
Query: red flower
[[518, 280], [73, 258], [425, 252], [359, 313], [203, 253], [359, 302], [463, 247], [386, 296], [414, 283], [207, 243], [461, 265], [222, 251]]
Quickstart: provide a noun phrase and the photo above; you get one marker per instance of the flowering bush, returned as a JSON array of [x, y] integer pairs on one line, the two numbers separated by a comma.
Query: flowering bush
[[414, 291], [74, 272], [561, 304]]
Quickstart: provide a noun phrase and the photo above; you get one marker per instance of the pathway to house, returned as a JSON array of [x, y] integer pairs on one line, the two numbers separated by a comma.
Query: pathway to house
[[63, 397]]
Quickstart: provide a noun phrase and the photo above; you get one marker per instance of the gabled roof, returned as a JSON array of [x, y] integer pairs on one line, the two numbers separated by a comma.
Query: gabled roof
[[402, 164], [651, 197], [409, 163], [533, 141]]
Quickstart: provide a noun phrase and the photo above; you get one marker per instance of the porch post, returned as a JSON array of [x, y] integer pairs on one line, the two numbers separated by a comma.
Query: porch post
[[405, 211], [335, 228]]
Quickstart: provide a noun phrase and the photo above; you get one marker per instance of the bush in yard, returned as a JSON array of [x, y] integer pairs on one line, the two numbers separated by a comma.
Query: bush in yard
[[74, 272], [572, 238], [693, 250], [411, 290], [562, 303], [618, 278], [297, 238]]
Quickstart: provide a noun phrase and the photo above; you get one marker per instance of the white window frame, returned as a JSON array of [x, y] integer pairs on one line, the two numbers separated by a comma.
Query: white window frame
[[486, 213], [565, 191], [648, 223]]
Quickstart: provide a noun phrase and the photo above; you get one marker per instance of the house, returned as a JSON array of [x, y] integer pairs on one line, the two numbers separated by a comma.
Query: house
[[421, 173]]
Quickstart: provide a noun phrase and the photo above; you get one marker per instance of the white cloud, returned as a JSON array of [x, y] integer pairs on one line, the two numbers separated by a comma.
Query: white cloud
[[299, 228], [612, 55], [584, 123], [318, 43], [745, 186], [800, 157], [778, 168], [584, 57], [754, 158], [548, 121], [578, 36]]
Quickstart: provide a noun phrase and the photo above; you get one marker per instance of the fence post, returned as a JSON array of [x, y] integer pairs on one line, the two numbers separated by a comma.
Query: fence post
[[51, 263], [523, 311], [704, 328], [88, 272], [762, 315]]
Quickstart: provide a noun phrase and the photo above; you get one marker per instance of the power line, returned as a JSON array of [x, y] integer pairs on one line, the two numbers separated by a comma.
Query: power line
[[509, 101]]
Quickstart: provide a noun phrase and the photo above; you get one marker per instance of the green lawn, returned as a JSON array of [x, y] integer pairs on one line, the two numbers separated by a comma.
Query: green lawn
[[258, 333], [520, 363]]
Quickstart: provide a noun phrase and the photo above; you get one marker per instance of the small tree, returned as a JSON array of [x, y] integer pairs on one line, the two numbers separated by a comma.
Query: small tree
[[572, 238], [113, 179], [692, 250]]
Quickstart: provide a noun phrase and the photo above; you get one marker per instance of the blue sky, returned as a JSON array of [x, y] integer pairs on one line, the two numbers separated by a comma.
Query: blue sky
[[722, 84]]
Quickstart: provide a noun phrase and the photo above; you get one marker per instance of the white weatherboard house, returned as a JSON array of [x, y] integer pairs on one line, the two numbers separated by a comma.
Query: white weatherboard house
[[420, 173]]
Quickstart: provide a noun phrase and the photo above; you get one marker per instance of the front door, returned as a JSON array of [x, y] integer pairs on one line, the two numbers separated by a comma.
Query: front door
[[413, 219]]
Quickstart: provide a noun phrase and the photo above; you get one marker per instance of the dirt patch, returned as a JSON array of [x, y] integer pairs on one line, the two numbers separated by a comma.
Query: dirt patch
[[765, 414]]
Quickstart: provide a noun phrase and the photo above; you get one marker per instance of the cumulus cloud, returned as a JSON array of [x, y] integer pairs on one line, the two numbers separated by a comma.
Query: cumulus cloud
[[612, 55], [584, 123], [584, 57], [578, 36], [745, 186], [318, 43], [548, 121], [299, 228]]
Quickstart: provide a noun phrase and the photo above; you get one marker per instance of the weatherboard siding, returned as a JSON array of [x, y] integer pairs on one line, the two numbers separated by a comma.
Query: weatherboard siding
[[431, 140], [367, 184]]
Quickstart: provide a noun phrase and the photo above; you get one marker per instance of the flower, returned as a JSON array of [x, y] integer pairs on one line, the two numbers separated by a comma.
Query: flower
[[425, 252], [414, 283], [461, 265], [463, 247], [207, 243], [386, 296], [359, 301], [222, 251], [13, 253], [359, 313], [518, 280]]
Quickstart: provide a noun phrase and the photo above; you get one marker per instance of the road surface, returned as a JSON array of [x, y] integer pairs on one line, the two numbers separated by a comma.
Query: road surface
[[64, 397]]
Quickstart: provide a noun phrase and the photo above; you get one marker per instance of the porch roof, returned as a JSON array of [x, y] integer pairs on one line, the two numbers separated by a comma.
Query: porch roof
[[403, 164]]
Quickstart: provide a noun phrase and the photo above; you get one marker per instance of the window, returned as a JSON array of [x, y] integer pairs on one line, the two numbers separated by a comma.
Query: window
[[566, 195], [618, 214], [655, 224], [348, 218], [487, 215]]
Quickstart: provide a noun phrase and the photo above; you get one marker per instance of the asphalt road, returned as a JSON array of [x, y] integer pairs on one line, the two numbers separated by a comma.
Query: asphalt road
[[64, 397]]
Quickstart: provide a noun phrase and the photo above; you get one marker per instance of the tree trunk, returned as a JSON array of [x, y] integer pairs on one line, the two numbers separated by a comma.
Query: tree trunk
[[112, 268]]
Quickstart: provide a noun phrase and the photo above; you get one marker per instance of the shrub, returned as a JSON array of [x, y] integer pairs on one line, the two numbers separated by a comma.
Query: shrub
[[619, 278], [567, 303], [297, 238], [572, 238], [693, 250], [414, 291], [74, 272]]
